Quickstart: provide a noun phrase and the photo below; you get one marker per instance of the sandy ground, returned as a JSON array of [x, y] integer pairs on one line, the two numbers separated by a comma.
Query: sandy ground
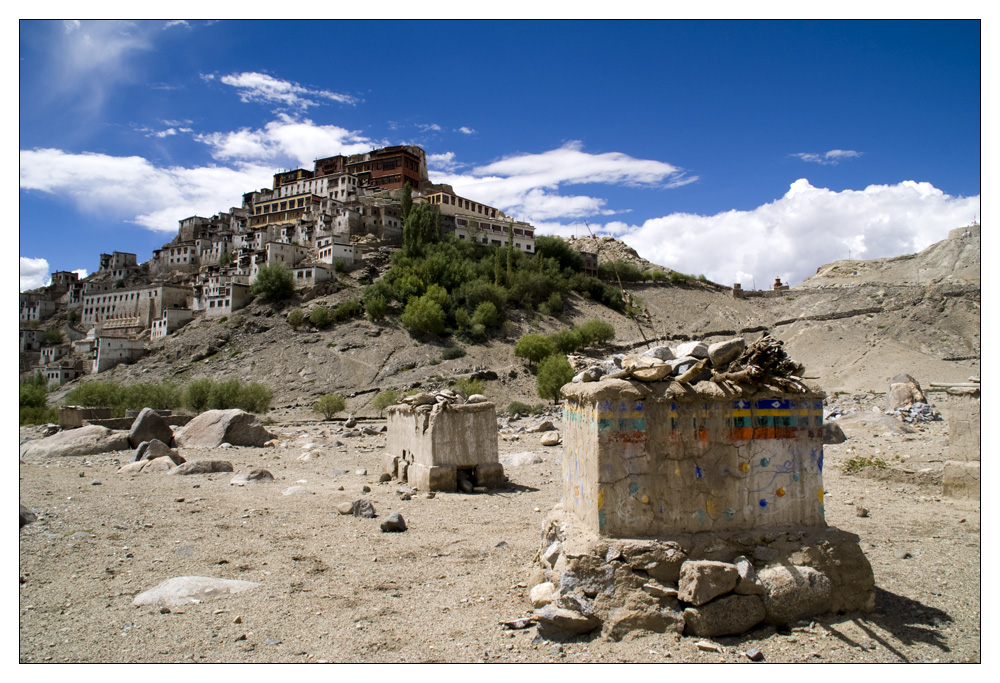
[[334, 588]]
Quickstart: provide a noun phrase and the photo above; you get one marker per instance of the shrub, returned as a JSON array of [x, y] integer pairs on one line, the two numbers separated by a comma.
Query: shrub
[[470, 386], [273, 282], [534, 347], [296, 318], [596, 332], [254, 398], [330, 405], [120, 397], [321, 317], [376, 307], [196, 393], [677, 278], [384, 399], [861, 462], [553, 372], [347, 310], [567, 341], [555, 303], [524, 408], [52, 337], [224, 395], [452, 352], [424, 315], [486, 314], [462, 319]]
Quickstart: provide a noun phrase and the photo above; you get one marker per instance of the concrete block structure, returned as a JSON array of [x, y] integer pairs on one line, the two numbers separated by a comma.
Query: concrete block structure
[[961, 475], [644, 460], [431, 447]]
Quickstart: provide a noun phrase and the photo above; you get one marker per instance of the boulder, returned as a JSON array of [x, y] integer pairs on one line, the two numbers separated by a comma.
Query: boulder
[[725, 352], [661, 352], [622, 621], [148, 425], [363, 508], [158, 465], [203, 467], [214, 427], [550, 439], [747, 584], [833, 434], [157, 449], [88, 440], [702, 580], [544, 426], [730, 615], [793, 592], [567, 617], [394, 522], [903, 391], [184, 590], [543, 594]]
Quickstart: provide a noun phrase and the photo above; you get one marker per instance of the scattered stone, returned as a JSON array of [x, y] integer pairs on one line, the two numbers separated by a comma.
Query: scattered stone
[[903, 391], [695, 349], [477, 398], [148, 425], [903, 554], [721, 354], [833, 434], [384, 477], [747, 584], [708, 646], [366, 489], [337, 473], [542, 594], [96, 482], [660, 352], [754, 655], [793, 592], [184, 590], [255, 476], [545, 426], [517, 624], [293, 490], [363, 508], [26, 515], [310, 456], [861, 511], [521, 459], [345, 508], [212, 428], [202, 467], [465, 485], [361, 472], [551, 439], [394, 522], [351, 421], [568, 617]]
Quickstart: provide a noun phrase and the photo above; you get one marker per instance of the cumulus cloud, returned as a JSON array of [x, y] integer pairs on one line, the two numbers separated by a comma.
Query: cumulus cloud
[[34, 273], [444, 162], [528, 185], [466, 130], [831, 158], [135, 190], [792, 236], [286, 140], [258, 87], [176, 22], [428, 127]]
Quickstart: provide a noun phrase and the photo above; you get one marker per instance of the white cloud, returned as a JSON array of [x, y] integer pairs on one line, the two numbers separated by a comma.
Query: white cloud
[[82, 272], [528, 185], [178, 22], [792, 236], [258, 87], [134, 190], [287, 141], [467, 130], [34, 273], [444, 162], [428, 127], [831, 158]]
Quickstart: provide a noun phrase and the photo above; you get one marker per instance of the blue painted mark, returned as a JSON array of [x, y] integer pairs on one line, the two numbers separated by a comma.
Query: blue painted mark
[[795, 476], [697, 471], [725, 471], [764, 462], [605, 423], [634, 488], [729, 514], [819, 461], [763, 503], [638, 405], [661, 509], [600, 518], [822, 511], [701, 515]]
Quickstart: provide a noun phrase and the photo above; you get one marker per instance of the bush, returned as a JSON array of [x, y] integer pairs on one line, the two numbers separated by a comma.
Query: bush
[[596, 332], [384, 399], [255, 398], [524, 408], [423, 316], [38, 416], [330, 405], [862, 462], [486, 314], [452, 352], [553, 372], [321, 317], [470, 386], [32, 402], [555, 303], [296, 318], [677, 278], [196, 393], [567, 341], [52, 337], [534, 347], [376, 306], [273, 282], [118, 397], [224, 395], [347, 310]]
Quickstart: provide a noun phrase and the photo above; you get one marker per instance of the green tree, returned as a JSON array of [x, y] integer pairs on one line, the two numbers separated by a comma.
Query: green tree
[[330, 405], [52, 337], [225, 259], [596, 332], [384, 399], [553, 372], [406, 202], [510, 250], [273, 282], [420, 229], [423, 315], [534, 347], [486, 314]]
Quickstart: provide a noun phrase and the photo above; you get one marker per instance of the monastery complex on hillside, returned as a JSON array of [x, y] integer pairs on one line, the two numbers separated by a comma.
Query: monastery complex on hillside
[[312, 221]]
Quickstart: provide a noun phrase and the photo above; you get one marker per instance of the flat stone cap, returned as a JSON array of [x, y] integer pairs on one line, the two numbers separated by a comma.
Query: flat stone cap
[[592, 392]]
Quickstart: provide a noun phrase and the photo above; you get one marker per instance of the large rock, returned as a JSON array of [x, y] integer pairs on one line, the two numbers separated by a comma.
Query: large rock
[[254, 476], [521, 459], [567, 617], [622, 621], [88, 440], [792, 592], [903, 391], [148, 425], [833, 434], [215, 427], [660, 352], [698, 349], [27, 516], [702, 580], [203, 467], [151, 450], [183, 590], [730, 615]]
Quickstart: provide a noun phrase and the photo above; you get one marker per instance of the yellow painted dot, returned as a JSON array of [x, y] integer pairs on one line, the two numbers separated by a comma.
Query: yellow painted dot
[[677, 471], [744, 467], [780, 492], [645, 499], [600, 499], [821, 495]]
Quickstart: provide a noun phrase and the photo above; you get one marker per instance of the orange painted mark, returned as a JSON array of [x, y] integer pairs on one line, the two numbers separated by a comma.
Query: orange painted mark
[[780, 492]]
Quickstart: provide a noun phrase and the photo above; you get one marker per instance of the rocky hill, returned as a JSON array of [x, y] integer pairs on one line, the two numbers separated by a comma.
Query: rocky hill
[[854, 325]]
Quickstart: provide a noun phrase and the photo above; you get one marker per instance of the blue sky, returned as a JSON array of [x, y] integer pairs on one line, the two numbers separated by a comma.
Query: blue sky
[[740, 150]]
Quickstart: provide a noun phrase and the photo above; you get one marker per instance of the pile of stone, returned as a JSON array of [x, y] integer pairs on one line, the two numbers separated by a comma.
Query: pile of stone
[[730, 362], [426, 401], [916, 412]]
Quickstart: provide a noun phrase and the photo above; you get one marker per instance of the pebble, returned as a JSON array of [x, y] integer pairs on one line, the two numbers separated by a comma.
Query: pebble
[[96, 482], [903, 554], [361, 472], [754, 655], [384, 477], [345, 508], [708, 646], [393, 523], [861, 511]]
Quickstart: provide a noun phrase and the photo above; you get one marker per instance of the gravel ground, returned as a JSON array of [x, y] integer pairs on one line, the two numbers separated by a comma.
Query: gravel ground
[[334, 588]]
